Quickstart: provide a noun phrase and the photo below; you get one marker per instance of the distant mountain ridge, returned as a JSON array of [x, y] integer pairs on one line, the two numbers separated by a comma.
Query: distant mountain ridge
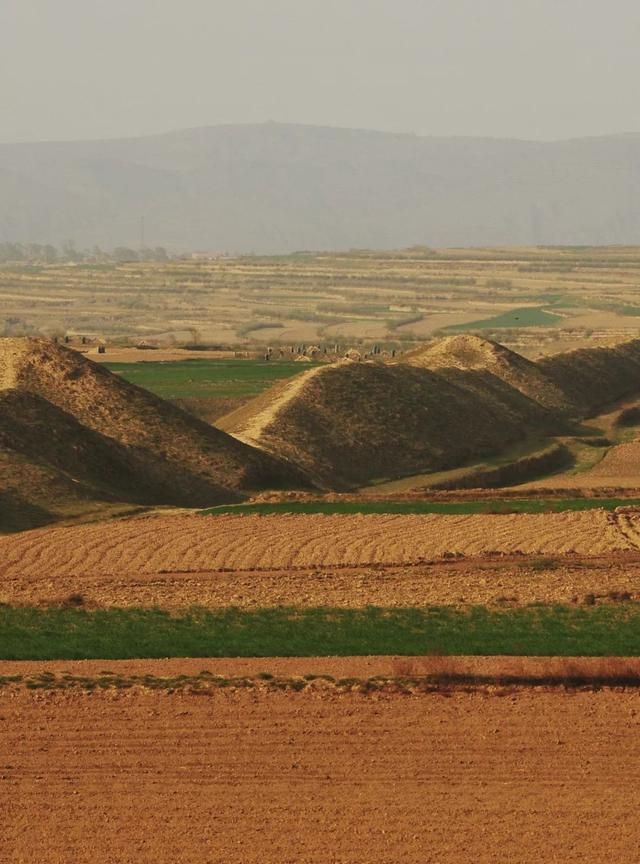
[[279, 188]]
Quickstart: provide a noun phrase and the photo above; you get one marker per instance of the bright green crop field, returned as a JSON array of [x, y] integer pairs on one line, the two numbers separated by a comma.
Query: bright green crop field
[[206, 378], [528, 316], [28, 633]]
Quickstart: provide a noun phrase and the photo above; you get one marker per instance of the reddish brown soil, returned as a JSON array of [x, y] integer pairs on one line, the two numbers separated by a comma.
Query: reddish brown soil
[[338, 667], [143, 776]]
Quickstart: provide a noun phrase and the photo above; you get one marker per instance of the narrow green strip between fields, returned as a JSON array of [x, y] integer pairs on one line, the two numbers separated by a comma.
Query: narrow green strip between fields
[[28, 633], [195, 377], [455, 508], [526, 316]]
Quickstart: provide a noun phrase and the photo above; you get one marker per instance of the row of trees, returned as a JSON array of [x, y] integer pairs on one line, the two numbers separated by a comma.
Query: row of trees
[[38, 253]]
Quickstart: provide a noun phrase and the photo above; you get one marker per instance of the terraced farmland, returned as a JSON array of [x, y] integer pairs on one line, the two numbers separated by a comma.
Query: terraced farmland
[[540, 299]]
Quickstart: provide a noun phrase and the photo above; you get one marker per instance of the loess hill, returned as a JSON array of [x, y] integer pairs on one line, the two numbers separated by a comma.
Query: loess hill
[[353, 423], [594, 377], [472, 353], [72, 433], [74, 436], [445, 405]]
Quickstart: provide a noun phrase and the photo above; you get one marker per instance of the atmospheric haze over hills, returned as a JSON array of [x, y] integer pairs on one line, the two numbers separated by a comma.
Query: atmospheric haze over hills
[[272, 188]]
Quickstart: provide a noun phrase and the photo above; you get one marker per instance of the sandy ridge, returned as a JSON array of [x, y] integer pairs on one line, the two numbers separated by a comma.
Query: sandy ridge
[[251, 432], [11, 353]]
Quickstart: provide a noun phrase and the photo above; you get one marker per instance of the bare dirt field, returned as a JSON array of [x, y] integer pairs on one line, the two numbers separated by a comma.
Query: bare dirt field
[[144, 776], [360, 667], [345, 561], [504, 581], [156, 544], [118, 354]]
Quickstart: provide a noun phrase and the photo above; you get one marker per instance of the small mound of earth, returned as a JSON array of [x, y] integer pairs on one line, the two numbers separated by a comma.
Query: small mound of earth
[[472, 353]]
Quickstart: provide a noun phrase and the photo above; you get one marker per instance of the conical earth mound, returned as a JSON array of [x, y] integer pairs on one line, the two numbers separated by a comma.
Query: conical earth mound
[[472, 353], [353, 423], [73, 424]]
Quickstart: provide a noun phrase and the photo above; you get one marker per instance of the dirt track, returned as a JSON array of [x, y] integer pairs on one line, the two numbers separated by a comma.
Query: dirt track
[[243, 777], [618, 469], [338, 667]]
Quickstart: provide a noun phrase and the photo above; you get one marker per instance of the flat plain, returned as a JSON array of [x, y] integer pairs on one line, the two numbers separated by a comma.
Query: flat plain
[[537, 299], [523, 775]]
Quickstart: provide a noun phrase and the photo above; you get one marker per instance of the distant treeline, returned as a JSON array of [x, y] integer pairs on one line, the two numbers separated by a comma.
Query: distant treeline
[[38, 253]]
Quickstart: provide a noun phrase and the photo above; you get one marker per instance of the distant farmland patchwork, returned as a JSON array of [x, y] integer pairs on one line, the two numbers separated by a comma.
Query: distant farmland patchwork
[[539, 299]]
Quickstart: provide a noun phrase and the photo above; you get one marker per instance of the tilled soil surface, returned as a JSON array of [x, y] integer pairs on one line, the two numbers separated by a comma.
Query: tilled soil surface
[[156, 544], [242, 776], [510, 581]]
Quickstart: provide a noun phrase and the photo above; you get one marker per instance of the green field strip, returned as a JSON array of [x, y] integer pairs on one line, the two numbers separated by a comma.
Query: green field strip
[[28, 633], [206, 378], [524, 317], [453, 508]]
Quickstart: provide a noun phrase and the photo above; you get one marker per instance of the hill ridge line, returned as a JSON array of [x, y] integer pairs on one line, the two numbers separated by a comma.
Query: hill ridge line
[[13, 350], [251, 433]]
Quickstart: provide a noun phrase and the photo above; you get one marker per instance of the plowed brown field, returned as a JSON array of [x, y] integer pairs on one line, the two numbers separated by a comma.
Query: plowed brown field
[[471, 581], [351, 561], [244, 777], [192, 543]]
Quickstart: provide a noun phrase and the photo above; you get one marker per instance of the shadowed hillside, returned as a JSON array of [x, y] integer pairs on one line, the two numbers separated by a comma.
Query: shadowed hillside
[[448, 404], [593, 377], [469, 352], [351, 423], [71, 431]]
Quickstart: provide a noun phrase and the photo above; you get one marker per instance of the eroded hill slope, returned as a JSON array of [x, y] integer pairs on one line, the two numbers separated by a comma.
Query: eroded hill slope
[[69, 424], [445, 405], [351, 423], [471, 353], [594, 377]]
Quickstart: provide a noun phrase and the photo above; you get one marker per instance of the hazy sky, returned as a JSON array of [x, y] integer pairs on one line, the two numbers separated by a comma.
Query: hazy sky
[[542, 69]]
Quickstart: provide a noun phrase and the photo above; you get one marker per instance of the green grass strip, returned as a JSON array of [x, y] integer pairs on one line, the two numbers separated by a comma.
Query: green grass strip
[[28, 633], [455, 508], [206, 378], [527, 316]]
